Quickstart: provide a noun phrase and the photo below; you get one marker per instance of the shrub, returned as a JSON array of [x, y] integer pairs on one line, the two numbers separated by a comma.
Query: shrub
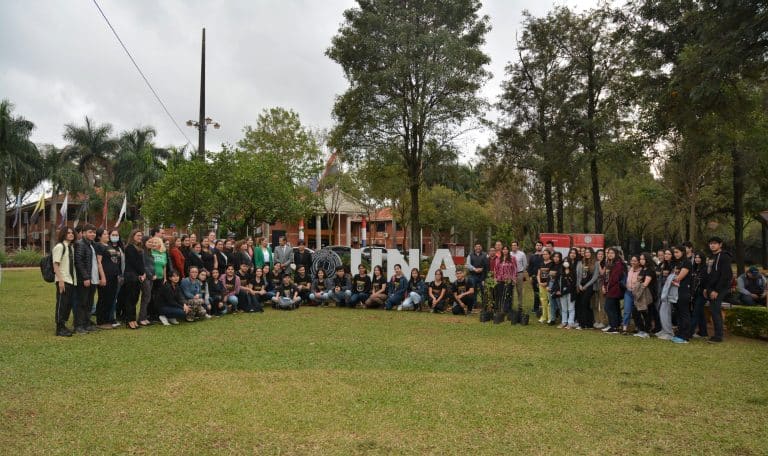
[[25, 257], [748, 321], [3, 258]]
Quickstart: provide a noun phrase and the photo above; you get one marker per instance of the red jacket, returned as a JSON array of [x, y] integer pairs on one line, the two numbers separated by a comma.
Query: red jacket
[[612, 279], [177, 258]]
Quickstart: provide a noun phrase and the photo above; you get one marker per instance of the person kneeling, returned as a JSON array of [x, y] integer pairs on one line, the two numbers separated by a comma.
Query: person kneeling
[[172, 305], [415, 292], [287, 297], [463, 294], [191, 288]]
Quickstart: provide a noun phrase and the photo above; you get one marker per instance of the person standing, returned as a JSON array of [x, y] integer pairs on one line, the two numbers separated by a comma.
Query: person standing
[[110, 258], [522, 265], [477, 265], [683, 282], [135, 277], [614, 270], [717, 284], [262, 255], [302, 257], [63, 255], [505, 274], [534, 263], [284, 253], [87, 279]]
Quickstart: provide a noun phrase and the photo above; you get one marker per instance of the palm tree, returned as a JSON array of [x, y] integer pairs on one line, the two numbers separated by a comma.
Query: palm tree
[[139, 163], [64, 175], [91, 147], [19, 158]]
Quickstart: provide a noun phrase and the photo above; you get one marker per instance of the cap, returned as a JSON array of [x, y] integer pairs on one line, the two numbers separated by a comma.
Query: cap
[[717, 239], [753, 270]]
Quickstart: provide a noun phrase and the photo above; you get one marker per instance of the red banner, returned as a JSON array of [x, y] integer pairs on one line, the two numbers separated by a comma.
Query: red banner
[[560, 240], [596, 241]]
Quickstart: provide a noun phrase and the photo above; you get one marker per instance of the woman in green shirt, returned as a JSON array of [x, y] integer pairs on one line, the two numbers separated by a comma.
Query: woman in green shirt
[[263, 254], [160, 262]]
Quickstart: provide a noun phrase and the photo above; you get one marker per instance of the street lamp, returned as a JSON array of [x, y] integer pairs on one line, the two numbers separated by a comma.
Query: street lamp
[[202, 123]]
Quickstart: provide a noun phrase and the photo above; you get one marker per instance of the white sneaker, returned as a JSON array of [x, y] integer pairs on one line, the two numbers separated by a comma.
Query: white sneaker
[[207, 317], [663, 336], [163, 320], [642, 334], [598, 326], [400, 307], [606, 328], [173, 321]]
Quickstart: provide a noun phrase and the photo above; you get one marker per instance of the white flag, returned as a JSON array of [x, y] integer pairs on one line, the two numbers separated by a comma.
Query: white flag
[[63, 211], [122, 211]]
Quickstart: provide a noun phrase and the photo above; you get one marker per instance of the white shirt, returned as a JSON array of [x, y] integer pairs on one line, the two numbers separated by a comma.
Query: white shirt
[[522, 260]]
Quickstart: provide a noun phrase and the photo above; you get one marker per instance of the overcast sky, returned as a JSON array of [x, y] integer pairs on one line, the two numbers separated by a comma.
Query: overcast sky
[[59, 62]]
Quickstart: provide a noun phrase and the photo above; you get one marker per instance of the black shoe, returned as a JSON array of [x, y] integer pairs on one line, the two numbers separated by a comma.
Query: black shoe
[[80, 330], [91, 328], [64, 332], [715, 340]]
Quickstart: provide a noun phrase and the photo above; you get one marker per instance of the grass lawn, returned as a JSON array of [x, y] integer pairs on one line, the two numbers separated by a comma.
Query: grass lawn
[[340, 381]]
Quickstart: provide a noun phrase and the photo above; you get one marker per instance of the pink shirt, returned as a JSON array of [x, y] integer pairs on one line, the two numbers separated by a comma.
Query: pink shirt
[[505, 270]]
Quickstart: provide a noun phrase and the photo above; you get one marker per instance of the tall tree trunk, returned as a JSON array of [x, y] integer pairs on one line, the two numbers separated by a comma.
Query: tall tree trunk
[[560, 205], [415, 224], [738, 207], [596, 195], [547, 178], [3, 208], [692, 224], [585, 216]]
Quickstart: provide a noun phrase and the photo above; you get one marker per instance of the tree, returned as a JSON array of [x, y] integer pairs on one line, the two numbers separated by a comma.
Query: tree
[[534, 99], [63, 175], [92, 148], [702, 60], [138, 163], [414, 70], [598, 47], [186, 192], [279, 131], [19, 158]]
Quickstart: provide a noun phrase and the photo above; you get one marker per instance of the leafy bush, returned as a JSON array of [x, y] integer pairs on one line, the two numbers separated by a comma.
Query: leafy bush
[[748, 321], [3, 258], [25, 257]]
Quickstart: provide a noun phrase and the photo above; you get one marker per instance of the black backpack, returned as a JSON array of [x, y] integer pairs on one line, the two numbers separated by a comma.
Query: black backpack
[[46, 268]]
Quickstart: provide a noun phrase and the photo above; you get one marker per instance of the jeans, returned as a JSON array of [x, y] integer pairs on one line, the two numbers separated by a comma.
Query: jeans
[[414, 299], [358, 298], [146, 297], [232, 301], [107, 296], [629, 301], [172, 312], [341, 297], [567, 310], [319, 297], [395, 299], [612, 309], [479, 285], [665, 317], [715, 306], [468, 301], [554, 304], [699, 319]]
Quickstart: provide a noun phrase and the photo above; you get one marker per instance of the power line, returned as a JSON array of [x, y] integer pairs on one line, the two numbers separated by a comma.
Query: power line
[[154, 92]]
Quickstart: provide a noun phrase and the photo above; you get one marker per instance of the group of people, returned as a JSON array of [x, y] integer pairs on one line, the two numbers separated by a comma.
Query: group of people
[[171, 279]]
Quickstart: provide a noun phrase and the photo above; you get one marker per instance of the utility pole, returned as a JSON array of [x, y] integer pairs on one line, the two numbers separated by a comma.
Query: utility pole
[[202, 123], [201, 120]]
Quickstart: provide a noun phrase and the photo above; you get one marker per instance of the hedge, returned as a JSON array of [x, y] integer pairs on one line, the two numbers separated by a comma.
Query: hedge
[[748, 321]]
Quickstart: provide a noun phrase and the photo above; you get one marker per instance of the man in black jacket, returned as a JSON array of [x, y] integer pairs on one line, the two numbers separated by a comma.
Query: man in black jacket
[[87, 279], [717, 284], [302, 257], [478, 266]]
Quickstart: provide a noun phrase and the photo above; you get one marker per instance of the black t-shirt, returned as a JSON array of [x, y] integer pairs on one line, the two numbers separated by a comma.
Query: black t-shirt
[[685, 264], [437, 288], [377, 282], [413, 285], [544, 272], [110, 259], [275, 279], [207, 258], [229, 284], [287, 291], [361, 284], [461, 286], [303, 281], [245, 279], [259, 283]]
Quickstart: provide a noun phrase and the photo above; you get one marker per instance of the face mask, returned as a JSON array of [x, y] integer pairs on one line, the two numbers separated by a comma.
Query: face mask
[[114, 239]]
